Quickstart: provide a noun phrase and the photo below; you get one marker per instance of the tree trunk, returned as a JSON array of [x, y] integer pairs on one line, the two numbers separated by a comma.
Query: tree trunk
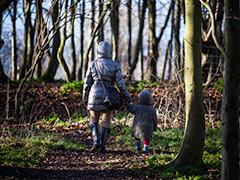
[[39, 21], [27, 12], [152, 43], [14, 42], [176, 37], [92, 56], [53, 63], [129, 6], [74, 63], [30, 49], [101, 32], [86, 58], [4, 4], [194, 135], [82, 12], [60, 56], [115, 28], [3, 77], [166, 59], [230, 104], [139, 40], [141, 48], [171, 44]]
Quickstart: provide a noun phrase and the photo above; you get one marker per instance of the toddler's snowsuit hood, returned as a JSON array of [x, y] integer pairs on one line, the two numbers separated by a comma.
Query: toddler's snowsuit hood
[[145, 98]]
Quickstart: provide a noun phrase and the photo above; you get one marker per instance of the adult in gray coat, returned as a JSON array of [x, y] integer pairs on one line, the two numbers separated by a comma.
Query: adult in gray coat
[[145, 119], [93, 91]]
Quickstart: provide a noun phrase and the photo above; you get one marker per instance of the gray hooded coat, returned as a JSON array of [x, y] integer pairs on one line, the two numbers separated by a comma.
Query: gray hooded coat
[[145, 119], [110, 73]]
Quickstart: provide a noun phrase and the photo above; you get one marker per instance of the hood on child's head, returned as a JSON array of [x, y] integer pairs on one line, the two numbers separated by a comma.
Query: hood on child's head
[[145, 98]]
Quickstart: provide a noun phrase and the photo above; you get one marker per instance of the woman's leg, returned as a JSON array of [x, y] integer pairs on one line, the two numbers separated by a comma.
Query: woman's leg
[[106, 118], [94, 119]]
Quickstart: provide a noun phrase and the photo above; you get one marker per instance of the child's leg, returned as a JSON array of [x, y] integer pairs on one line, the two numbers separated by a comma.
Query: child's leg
[[146, 144], [138, 143]]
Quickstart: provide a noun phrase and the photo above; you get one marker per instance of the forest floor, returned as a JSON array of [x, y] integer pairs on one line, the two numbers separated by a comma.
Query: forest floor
[[41, 100]]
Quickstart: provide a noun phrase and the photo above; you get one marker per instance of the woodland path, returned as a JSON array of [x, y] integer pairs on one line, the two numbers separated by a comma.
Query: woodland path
[[80, 164]]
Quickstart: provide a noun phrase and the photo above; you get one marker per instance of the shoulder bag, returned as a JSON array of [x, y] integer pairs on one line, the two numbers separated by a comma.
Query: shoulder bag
[[111, 96]]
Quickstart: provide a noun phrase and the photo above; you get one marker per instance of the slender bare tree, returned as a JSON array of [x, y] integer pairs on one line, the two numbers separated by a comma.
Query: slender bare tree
[[82, 12]]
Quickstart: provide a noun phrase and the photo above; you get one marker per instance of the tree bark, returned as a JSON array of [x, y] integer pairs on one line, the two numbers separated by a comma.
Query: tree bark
[[86, 58], [101, 32], [53, 63], [152, 43], [129, 6], [82, 12], [92, 56], [3, 77], [14, 42], [74, 63], [231, 89], [115, 28], [4, 4], [27, 16], [176, 36], [170, 57], [39, 21], [166, 59], [139, 40], [194, 135], [60, 56]]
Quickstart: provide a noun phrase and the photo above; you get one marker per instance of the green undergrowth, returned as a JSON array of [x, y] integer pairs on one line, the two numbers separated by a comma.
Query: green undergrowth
[[163, 149], [67, 88], [56, 120], [140, 85], [27, 146]]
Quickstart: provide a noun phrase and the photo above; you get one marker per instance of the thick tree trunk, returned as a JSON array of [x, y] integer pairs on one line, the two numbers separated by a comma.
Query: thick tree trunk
[[74, 63], [139, 40], [194, 135], [230, 104], [115, 28], [152, 43], [53, 63], [82, 12], [14, 42]]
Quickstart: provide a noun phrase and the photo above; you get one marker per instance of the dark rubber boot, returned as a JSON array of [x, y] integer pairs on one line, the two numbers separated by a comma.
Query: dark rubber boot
[[104, 138], [95, 137]]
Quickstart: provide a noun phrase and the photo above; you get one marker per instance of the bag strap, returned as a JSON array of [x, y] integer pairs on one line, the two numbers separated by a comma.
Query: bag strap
[[99, 75]]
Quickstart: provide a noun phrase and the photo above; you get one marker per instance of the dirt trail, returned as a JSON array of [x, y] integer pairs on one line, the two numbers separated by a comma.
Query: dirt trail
[[80, 164]]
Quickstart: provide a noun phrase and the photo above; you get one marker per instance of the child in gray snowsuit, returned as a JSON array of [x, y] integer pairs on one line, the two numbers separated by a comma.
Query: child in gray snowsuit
[[145, 120]]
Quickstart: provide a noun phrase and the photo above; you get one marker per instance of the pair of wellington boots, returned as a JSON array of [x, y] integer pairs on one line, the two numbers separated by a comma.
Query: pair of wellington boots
[[99, 141]]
